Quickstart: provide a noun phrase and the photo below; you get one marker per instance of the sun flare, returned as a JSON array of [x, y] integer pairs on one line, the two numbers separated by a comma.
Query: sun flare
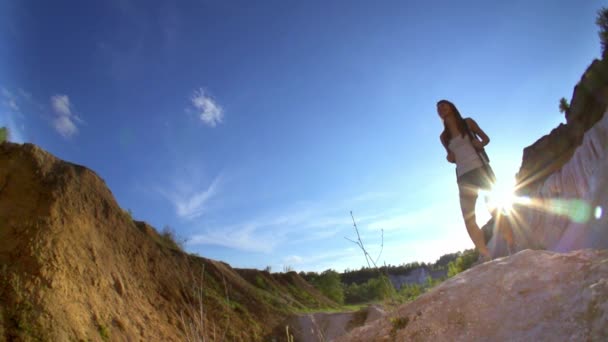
[[501, 197]]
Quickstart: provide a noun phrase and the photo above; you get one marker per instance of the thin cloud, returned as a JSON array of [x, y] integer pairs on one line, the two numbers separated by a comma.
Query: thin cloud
[[64, 117], [413, 219], [10, 100], [26, 95], [11, 115], [293, 260], [244, 238], [15, 129], [319, 262], [294, 225], [61, 105], [264, 234], [208, 110], [189, 201]]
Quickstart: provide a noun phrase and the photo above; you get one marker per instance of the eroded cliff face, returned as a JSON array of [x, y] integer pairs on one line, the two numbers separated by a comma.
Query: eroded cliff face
[[552, 151], [568, 209], [563, 179]]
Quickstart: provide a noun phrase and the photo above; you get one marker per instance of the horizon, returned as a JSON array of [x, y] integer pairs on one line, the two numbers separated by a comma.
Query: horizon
[[254, 129]]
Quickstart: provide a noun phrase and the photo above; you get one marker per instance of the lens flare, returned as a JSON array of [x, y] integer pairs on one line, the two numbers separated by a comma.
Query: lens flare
[[577, 210], [598, 212], [501, 197]]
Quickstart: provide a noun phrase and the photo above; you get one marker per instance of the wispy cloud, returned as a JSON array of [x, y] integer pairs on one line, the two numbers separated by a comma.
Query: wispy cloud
[[64, 117], [9, 100], [11, 115], [293, 260], [244, 238], [26, 95], [292, 225], [208, 110], [334, 259], [400, 249], [189, 199], [413, 219], [264, 234]]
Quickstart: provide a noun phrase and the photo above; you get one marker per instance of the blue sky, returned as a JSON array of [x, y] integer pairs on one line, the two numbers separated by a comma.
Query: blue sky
[[253, 128]]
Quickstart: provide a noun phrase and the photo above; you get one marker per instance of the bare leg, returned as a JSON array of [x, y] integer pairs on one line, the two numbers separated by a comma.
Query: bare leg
[[468, 198], [504, 226]]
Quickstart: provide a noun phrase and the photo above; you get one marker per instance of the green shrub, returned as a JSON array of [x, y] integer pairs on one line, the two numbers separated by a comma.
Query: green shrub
[[3, 134], [103, 332], [330, 285], [381, 287], [410, 291], [463, 262], [602, 22], [259, 282], [398, 323], [171, 240], [378, 288], [564, 106]]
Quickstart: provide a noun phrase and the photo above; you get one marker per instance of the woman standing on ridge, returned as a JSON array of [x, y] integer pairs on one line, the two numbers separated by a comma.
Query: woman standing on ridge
[[464, 142]]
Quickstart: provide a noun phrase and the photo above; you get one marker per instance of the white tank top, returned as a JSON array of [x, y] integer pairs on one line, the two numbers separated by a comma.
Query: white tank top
[[465, 154]]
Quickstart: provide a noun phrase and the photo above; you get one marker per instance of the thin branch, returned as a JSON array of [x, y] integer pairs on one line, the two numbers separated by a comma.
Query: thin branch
[[381, 246], [368, 257], [359, 242]]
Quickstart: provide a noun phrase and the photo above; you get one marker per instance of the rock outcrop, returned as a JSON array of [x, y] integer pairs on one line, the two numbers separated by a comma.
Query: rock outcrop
[[549, 153], [568, 209], [562, 179], [530, 296]]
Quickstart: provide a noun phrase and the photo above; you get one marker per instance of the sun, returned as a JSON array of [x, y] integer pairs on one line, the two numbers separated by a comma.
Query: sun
[[501, 197]]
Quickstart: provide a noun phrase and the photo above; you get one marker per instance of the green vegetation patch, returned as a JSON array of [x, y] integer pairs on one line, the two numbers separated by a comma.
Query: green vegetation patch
[[398, 323], [3, 134], [104, 333]]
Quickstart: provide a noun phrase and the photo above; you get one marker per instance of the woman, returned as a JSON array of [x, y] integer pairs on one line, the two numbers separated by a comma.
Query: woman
[[464, 142]]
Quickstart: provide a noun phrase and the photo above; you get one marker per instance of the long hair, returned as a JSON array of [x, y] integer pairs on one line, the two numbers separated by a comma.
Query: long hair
[[462, 126]]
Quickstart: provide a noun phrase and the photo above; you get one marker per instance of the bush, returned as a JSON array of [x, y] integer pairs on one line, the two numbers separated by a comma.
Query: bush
[[171, 240], [330, 285], [463, 262], [4, 134], [378, 288], [381, 287], [602, 22], [564, 106], [410, 291]]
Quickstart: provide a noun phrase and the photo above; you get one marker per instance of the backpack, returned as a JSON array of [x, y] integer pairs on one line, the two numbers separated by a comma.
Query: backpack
[[482, 155]]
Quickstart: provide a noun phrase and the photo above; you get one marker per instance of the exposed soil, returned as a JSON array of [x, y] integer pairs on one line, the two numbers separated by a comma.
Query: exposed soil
[[74, 266]]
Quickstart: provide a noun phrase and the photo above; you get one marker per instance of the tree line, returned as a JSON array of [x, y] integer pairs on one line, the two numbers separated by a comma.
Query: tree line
[[373, 284]]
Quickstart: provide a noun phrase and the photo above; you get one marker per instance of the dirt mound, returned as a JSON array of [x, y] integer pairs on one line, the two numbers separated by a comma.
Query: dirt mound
[[75, 266]]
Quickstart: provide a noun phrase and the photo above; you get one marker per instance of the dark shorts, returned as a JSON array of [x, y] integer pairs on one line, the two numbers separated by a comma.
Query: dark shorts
[[469, 184], [480, 178]]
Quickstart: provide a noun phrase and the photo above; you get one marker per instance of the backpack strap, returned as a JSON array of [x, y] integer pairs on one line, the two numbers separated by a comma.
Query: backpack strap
[[482, 153]]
